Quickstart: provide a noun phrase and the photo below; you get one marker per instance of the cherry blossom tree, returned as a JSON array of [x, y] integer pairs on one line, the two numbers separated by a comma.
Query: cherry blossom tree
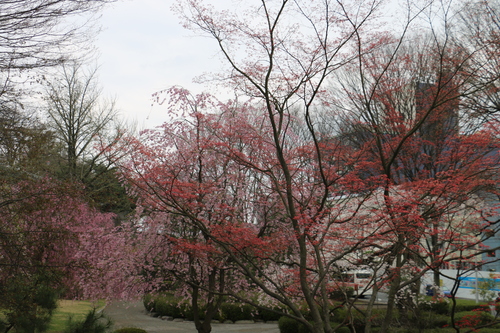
[[214, 178], [262, 188], [42, 232]]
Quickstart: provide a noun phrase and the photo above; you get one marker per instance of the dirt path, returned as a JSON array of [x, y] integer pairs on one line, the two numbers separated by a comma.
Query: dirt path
[[134, 315]]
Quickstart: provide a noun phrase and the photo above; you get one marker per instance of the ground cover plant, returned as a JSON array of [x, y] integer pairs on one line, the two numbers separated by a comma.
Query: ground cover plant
[[130, 330], [229, 311], [469, 314], [71, 309]]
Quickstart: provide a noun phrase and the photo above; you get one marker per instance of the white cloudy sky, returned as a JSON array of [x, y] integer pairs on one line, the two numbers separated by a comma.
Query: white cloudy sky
[[144, 49]]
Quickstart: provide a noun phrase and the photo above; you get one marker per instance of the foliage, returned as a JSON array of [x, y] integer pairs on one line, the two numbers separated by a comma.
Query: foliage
[[340, 153], [149, 302], [485, 288], [268, 315], [94, 322], [77, 310], [28, 303], [86, 127], [288, 325], [45, 229], [343, 329], [441, 306], [464, 306], [164, 307], [472, 318], [429, 319], [234, 311], [130, 330], [432, 316], [169, 305]]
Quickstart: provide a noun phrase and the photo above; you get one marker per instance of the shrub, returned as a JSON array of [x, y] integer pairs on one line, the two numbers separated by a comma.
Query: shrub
[[339, 314], [465, 305], [438, 321], [93, 323], [288, 325], [358, 319], [438, 307], [163, 307], [166, 306], [169, 305], [343, 329], [428, 320], [378, 317], [342, 294], [130, 330], [148, 302], [472, 318], [237, 311], [268, 315], [186, 311]]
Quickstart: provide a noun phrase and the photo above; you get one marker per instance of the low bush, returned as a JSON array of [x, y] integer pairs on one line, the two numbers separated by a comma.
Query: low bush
[[289, 325], [130, 330], [339, 315], [268, 315], [437, 321], [169, 306], [464, 305], [438, 307], [378, 317], [237, 311], [472, 318], [489, 330], [426, 320], [343, 329], [166, 306], [93, 323], [148, 302], [342, 294]]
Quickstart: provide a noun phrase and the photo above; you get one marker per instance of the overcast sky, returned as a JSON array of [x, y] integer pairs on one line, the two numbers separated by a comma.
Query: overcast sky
[[144, 49]]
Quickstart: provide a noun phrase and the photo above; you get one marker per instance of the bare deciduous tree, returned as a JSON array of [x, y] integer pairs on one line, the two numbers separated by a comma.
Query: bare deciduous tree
[[86, 125]]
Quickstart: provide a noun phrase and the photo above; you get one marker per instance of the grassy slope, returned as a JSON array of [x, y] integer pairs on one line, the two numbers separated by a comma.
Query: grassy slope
[[76, 309]]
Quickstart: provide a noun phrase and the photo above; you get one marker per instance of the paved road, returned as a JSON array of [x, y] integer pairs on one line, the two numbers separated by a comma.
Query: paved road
[[134, 315]]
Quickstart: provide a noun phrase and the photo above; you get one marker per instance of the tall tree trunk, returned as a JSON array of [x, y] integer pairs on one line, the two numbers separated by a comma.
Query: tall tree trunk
[[213, 303], [369, 308], [393, 290]]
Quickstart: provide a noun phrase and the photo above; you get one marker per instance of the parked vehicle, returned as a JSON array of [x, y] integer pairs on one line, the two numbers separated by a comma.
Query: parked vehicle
[[353, 283]]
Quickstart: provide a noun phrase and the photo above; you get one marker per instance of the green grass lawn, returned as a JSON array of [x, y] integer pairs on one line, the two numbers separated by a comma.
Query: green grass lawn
[[76, 309]]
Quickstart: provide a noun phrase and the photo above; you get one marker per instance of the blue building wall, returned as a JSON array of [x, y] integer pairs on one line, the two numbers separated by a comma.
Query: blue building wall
[[491, 259]]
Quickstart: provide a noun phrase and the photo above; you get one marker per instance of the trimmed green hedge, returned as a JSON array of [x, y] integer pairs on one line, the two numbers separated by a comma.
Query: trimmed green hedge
[[169, 305], [431, 316], [268, 315], [463, 307], [289, 325], [130, 330], [441, 307], [237, 311]]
